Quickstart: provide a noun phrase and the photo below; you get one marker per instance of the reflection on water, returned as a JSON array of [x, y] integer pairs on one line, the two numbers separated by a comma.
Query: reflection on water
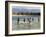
[[25, 22]]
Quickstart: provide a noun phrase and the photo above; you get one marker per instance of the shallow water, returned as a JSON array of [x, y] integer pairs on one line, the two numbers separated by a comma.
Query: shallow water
[[34, 24]]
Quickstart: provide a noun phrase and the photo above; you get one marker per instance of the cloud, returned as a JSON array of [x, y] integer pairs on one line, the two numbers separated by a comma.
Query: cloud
[[17, 9]]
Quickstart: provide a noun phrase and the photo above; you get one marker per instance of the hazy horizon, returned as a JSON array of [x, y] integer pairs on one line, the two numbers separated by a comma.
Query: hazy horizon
[[25, 9]]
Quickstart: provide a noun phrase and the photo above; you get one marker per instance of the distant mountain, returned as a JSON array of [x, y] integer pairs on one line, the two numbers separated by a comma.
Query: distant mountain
[[18, 9]]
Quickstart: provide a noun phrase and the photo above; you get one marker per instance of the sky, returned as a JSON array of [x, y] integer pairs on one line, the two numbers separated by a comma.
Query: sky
[[18, 9]]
